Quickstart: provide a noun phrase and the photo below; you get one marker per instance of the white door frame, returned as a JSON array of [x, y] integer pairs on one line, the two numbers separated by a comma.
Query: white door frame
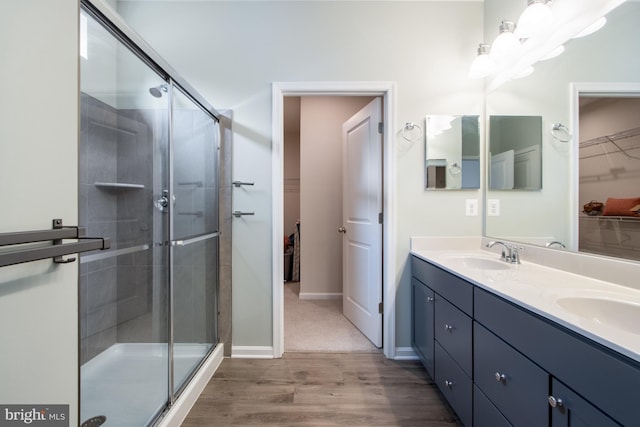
[[387, 90]]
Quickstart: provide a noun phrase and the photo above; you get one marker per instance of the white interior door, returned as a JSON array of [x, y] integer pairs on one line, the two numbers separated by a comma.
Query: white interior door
[[362, 205], [502, 171], [527, 173]]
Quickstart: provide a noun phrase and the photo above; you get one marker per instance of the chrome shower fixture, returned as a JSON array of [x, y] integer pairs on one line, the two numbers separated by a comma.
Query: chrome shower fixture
[[156, 91]]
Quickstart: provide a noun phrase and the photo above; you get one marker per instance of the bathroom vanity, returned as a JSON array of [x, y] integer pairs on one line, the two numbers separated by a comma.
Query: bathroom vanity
[[521, 345]]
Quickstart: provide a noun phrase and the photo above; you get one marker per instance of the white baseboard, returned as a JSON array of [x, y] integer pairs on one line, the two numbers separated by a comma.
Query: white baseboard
[[316, 295], [252, 352], [181, 407], [405, 353]]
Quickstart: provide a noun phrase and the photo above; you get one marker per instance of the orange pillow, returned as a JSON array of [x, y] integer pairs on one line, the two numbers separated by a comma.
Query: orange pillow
[[621, 207]]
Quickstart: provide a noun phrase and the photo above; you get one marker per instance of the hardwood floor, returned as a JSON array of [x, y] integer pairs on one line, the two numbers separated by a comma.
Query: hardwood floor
[[321, 389]]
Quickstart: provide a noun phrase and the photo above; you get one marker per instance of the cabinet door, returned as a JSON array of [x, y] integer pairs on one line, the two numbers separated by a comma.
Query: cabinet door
[[422, 321], [570, 410]]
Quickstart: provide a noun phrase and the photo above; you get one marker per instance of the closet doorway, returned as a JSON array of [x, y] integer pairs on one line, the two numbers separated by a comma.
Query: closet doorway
[[314, 191], [308, 154]]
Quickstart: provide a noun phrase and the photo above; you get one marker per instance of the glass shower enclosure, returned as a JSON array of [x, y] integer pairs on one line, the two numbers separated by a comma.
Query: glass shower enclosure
[[148, 181]]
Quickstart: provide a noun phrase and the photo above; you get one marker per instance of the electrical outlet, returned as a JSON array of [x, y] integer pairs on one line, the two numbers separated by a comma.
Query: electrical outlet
[[471, 207], [493, 207]]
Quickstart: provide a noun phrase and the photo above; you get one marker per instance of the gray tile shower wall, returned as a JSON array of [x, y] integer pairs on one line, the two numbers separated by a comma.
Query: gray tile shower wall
[[116, 146]]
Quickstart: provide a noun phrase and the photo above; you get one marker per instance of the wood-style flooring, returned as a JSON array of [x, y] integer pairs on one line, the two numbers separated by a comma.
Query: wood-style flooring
[[321, 389]]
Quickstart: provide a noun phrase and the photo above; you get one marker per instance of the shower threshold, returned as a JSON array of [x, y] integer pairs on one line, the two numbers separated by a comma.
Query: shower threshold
[[128, 382]]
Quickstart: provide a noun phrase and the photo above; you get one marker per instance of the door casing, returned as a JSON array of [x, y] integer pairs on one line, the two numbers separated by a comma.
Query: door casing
[[387, 91]]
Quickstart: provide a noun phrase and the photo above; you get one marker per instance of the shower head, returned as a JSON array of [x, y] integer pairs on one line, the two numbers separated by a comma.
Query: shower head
[[156, 91]]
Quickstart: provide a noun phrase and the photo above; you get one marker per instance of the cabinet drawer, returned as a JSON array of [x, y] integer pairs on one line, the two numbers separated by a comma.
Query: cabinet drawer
[[598, 374], [515, 385], [453, 331], [484, 413], [453, 288], [423, 312], [454, 384]]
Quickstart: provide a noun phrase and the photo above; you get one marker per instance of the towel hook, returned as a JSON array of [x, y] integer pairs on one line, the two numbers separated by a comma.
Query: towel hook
[[560, 132], [408, 129]]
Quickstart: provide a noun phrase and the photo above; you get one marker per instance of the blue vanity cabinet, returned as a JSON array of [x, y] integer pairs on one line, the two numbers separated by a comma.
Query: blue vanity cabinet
[[597, 379], [448, 314], [423, 315]]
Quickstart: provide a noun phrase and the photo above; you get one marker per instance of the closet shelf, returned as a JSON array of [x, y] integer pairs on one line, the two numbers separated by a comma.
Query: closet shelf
[[619, 142], [611, 218], [119, 185]]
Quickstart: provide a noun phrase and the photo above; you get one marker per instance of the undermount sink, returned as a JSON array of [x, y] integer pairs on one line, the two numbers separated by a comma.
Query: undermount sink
[[624, 315], [483, 263]]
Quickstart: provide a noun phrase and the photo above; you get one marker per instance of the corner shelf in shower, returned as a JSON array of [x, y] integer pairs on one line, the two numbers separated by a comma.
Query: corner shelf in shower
[[119, 186]]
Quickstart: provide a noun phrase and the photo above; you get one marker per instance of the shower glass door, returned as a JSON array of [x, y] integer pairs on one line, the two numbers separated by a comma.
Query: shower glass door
[[148, 181], [124, 181], [194, 252]]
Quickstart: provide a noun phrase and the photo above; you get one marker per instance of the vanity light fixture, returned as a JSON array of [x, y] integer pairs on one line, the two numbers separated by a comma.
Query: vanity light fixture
[[555, 52], [535, 18], [482, 65], [524, 73], [506, 42], [592, 28]]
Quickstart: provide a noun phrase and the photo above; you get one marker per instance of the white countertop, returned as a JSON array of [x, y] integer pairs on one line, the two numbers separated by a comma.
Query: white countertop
[[605, 312]]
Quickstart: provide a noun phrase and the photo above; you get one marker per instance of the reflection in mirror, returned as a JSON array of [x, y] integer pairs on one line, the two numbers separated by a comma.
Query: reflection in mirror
[[452, 152], [609, 168], [607, 57], [515, 152]]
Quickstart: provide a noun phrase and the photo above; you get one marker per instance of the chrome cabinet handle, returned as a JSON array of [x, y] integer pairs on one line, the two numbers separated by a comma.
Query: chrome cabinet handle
[[448, 384], [500, 377], [555, 402], [430, 299], [342, 230], [448, 328]]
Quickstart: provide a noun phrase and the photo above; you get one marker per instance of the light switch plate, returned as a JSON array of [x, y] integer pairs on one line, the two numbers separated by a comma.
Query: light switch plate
[[471, 207], [493, 207]]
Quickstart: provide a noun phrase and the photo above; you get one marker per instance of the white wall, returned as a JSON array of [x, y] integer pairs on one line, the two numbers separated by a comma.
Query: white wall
[[38, 182], [321, 190], [231, 52]]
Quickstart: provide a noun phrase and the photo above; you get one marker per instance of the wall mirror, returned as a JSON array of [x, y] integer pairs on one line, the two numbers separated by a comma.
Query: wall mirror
[[606, 58], [452, 151], [515, 152]]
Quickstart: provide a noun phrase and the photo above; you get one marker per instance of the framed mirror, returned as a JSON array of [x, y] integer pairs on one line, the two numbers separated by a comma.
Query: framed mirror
[[606, 57], [452, 151], [515, 152]]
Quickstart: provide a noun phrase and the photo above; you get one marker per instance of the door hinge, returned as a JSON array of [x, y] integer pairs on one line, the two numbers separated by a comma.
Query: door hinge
[[380, 308], [380, 127], [380, 218]]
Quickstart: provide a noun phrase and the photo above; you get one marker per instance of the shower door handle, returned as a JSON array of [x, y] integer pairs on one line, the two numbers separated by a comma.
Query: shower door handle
[[185, 242]]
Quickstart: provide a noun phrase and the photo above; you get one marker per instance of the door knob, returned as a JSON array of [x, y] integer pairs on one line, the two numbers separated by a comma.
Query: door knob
[[342, 230]]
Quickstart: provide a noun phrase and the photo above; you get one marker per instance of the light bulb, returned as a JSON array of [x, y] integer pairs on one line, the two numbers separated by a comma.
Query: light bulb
[[524, 73], [555, 52], [482, 65], [535, 18], [592, 28], [506, 42]]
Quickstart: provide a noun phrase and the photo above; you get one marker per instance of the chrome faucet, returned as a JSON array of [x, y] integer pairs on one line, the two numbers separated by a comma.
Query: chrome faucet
[[509, 252]]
